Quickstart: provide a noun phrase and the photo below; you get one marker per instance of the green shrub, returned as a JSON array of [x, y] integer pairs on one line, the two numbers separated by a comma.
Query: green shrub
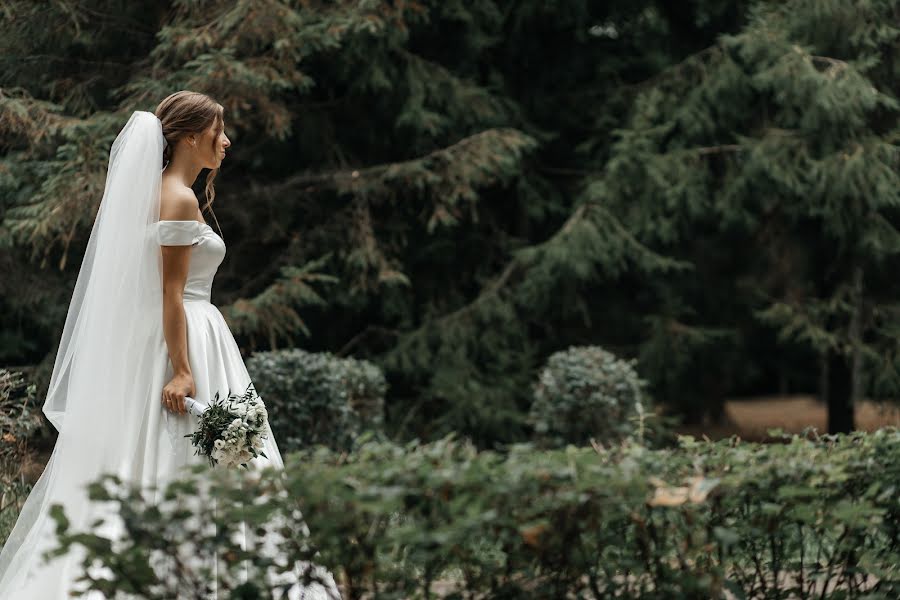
[[586, 392], [318, 398], [20, 419], [808, 518]]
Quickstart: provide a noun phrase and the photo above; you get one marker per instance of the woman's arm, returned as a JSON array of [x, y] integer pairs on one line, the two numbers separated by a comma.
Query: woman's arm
[[175, 267], [175, 263]]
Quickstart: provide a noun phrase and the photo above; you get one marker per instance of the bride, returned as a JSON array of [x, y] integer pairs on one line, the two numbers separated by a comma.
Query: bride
[[140, 335]]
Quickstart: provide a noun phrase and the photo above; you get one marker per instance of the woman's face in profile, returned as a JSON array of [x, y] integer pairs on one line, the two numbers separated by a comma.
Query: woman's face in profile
[[212, 145]]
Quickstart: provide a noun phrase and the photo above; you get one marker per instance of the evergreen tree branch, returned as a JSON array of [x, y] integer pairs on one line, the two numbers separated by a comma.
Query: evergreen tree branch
[[547, 270], [471, 153], [366, 332], [454, 100], [27, 119], [273, 312]]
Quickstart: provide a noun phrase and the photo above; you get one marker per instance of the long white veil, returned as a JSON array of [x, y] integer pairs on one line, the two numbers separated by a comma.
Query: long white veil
[[97, 394]]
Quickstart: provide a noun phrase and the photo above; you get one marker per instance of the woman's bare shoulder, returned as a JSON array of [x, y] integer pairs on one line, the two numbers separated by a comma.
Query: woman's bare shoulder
[[177, 203]]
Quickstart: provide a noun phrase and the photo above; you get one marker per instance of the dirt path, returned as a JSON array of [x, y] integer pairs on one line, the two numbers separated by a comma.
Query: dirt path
[[750, 418]]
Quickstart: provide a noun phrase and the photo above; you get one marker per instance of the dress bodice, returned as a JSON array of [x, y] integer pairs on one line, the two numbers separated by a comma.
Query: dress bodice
[[206, 256]]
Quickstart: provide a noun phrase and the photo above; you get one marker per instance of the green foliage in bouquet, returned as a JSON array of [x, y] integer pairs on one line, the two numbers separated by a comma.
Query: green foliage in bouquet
[[806, 518], [318, 398], [587, 392], [224, 426]]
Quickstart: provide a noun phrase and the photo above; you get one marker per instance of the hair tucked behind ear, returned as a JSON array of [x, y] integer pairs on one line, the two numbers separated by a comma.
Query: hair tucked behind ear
[[184, 113]]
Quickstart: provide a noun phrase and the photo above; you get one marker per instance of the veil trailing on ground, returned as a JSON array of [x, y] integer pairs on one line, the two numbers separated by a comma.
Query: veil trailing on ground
[[97, 395]]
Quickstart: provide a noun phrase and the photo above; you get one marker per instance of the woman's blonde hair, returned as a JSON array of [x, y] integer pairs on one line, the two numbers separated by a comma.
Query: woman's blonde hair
[[184, 113]]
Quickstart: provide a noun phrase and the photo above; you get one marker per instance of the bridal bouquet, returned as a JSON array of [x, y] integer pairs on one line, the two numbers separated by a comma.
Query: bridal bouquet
[[231, 429]]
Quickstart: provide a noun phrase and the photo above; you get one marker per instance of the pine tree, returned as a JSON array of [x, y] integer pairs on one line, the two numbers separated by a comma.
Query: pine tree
[[417, 183], [774, 153]]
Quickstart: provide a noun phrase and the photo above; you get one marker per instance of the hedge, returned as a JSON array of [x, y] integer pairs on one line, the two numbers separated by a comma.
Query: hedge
[[807, 518]]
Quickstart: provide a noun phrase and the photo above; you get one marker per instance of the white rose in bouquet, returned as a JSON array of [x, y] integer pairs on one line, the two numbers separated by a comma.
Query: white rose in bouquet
[[230, 430]]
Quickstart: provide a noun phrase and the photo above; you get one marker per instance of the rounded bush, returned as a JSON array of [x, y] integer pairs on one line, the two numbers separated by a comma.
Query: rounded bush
[[586, 392], [318, 398]]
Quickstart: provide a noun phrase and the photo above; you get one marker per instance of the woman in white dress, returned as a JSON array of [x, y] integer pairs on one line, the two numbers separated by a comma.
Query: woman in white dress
[[140, 335]]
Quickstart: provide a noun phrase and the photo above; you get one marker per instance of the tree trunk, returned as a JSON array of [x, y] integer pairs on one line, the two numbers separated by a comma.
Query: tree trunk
[[839, 394], [855, 335], [844, 373]]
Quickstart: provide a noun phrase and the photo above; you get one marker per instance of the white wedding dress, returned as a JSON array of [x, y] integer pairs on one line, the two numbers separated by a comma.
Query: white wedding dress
[[157, 446]]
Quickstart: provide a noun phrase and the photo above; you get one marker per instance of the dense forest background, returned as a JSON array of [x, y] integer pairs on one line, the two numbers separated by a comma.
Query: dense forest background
[[455, 190]]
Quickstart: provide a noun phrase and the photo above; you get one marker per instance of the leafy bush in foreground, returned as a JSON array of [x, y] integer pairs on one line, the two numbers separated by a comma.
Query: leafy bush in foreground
[[808, 518]]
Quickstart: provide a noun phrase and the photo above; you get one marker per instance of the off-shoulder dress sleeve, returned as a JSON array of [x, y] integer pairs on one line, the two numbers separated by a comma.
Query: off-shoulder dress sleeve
[[177, 233]]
